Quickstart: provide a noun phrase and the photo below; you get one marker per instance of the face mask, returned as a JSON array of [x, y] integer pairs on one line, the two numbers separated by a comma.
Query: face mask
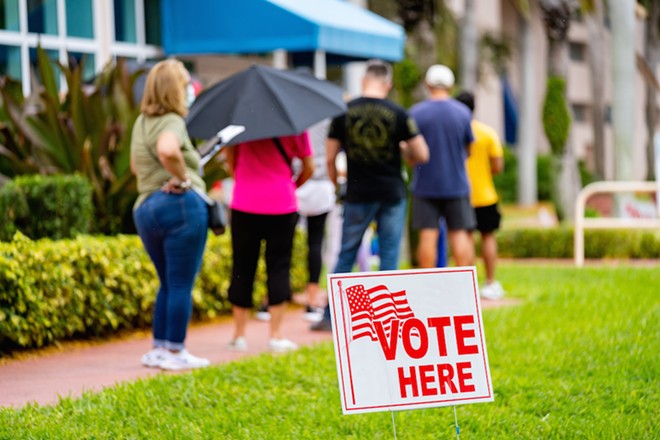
[[190, 95]]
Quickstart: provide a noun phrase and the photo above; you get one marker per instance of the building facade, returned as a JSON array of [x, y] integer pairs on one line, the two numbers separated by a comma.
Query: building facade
[[501, 18], [70, 30]]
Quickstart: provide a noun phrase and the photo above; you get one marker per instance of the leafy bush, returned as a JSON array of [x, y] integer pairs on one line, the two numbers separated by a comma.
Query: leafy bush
[[46, 206], [86, 131], [407, 76], [95, 286], [558, 243], [506, 183], [556, 118]]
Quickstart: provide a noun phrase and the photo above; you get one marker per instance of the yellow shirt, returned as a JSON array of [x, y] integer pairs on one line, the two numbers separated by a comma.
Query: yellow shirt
[[486, 145]]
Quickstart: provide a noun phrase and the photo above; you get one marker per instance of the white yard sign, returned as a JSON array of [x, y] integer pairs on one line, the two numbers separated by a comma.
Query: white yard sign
[[409, 339]]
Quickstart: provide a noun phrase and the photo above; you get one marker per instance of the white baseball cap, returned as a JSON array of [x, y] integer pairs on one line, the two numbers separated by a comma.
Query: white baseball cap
[[440, 76]]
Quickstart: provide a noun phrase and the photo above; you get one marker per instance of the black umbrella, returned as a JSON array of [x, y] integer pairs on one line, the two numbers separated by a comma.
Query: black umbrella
[[268, 102]]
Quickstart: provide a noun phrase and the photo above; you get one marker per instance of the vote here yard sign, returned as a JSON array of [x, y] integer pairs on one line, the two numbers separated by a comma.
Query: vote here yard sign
[[409, 339]]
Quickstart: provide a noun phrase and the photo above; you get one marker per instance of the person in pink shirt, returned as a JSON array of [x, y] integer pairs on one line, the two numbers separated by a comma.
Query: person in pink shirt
[[264, 207]]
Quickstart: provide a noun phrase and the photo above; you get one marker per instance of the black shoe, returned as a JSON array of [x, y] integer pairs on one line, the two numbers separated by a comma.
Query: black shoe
[[323, 325]]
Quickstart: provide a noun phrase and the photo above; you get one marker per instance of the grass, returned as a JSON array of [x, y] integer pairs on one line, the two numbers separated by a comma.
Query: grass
[[578, 359]]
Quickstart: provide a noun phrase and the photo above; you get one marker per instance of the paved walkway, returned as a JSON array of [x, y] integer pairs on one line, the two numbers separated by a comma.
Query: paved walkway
[[74, 369]]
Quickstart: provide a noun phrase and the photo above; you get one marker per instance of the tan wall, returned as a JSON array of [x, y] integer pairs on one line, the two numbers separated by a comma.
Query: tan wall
[[578, 82]]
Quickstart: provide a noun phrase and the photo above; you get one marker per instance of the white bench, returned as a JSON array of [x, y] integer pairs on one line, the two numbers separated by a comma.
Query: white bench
[[582, 223]]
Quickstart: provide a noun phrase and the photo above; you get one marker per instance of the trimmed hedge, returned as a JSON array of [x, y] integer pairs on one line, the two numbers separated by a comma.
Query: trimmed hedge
[[558, 243], [92, 286], [46, 206]]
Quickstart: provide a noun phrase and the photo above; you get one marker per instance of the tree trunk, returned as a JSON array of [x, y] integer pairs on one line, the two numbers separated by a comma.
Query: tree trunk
[[653, 59], [623, 85], [596, 47], [557, 16], [528, 119], [469, 48]]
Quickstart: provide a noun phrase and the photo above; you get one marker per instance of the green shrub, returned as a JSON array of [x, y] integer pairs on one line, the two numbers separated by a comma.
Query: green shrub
[[57, 206], [506, 183], [91, 286], [556, 118], [558, 243]]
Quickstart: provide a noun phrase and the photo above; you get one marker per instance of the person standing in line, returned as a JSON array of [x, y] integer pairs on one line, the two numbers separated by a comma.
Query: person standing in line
[[440, 187], [264, 207], [486, 159], [377, 136], [316, 198], [171, 219]]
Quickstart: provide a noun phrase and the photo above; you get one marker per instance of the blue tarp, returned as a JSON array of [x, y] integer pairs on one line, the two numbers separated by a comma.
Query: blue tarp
[[262, 26]]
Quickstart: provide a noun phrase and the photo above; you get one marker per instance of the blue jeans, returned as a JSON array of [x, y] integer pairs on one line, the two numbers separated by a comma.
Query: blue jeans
[[173, 229], [390, 218]]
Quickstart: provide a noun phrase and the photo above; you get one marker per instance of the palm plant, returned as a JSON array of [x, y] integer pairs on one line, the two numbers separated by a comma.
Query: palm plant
[[86, 131]]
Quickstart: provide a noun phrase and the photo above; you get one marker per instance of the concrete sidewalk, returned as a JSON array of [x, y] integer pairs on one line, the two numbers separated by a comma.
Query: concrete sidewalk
[[42, 379], [68, 372]]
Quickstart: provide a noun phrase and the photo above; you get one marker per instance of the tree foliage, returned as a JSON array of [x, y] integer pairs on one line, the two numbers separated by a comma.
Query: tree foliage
[[556, 117]]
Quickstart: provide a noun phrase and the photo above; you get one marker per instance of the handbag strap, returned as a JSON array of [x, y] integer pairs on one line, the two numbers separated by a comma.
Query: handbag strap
[[283, 153]]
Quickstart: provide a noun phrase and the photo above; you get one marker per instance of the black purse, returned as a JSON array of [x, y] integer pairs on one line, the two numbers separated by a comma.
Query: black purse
[[217, 217], [217, 213]]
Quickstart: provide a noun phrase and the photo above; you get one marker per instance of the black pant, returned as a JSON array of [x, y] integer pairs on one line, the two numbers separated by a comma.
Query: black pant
[[315, 233], [247, 232]]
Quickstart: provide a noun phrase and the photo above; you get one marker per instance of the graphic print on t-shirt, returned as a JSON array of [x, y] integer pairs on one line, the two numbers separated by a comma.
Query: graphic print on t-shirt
[[369, 133]]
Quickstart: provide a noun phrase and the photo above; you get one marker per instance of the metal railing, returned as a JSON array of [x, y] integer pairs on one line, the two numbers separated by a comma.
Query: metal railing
[[582, 223]]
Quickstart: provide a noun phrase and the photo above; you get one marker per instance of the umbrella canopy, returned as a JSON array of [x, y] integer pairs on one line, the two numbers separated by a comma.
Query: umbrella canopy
[[268, 102]]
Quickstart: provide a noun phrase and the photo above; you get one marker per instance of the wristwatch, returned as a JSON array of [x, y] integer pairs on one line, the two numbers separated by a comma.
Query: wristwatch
[[186, 184]]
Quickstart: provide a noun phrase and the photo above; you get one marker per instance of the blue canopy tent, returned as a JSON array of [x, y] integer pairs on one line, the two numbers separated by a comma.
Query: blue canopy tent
[[332, 27]]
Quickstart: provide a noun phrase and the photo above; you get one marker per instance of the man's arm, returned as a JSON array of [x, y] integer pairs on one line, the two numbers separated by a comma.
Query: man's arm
[[496, 165], [415, 150], [332, 147]]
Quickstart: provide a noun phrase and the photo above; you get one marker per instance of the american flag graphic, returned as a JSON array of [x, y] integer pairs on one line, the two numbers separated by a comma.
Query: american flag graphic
[[376, 304]]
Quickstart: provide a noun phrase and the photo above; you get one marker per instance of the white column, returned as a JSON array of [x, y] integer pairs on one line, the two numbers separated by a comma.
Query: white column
[[353, 73], [25, 50], [280, 59], [320, 66], [104, 32], [624, 75]]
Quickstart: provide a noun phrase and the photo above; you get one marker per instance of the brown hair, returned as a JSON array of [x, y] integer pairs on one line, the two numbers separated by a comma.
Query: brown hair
[[165, 90], [379, 69]]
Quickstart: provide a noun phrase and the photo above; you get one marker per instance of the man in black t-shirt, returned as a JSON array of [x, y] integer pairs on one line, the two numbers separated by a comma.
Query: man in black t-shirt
[[376, 135]]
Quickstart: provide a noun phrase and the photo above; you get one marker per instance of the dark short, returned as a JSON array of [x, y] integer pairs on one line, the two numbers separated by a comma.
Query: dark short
[[458, 213], [488, 218]]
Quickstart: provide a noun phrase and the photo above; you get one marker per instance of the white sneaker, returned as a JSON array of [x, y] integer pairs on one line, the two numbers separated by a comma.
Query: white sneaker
[[262, 313], [281, 345], [313, 314], [238, 344], [155, 357], [492, 291], [183, 360]]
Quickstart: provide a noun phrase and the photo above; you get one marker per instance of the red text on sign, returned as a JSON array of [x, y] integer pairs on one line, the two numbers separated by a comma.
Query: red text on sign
[[415, 327], [433, 380]]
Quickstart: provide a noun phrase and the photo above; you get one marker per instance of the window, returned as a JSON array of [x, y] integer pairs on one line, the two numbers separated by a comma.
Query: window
[[42, 16], [54, 57], [125, 21], [9, 15], [152, 22], [608, 114], [577, 51], [75, 58], [79, 18], [10, 61], [580, 112]]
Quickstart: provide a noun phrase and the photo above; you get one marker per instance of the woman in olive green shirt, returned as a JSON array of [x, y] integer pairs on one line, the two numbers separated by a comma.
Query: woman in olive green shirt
[[171, 219]]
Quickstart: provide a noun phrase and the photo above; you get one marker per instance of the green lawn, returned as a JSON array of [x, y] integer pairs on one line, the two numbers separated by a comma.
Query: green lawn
[[579, 358]]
